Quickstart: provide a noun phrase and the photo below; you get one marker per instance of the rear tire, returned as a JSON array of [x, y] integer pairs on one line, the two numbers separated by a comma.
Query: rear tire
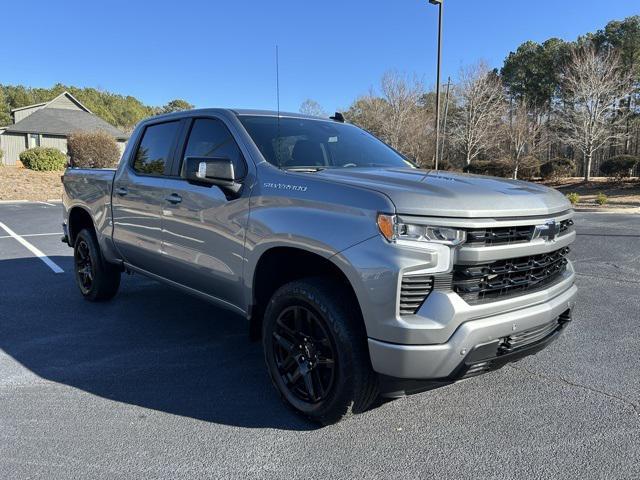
[[97, 279], [315, 347]]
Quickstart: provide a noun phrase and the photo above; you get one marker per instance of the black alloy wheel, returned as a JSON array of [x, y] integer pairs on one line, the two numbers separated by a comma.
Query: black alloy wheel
[[97, 279], [84, 267], [315, 348], [304, 354]]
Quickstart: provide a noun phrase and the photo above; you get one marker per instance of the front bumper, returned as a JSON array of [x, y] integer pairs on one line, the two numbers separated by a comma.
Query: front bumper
[[451, 360], [434, 342]]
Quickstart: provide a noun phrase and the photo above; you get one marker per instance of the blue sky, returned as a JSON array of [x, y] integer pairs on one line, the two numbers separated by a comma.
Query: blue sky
[[221, 53]]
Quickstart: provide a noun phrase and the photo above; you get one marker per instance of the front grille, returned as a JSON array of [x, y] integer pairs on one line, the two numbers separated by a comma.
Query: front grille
[[508, 235], [413, 292], [499, 235], [566, 225], [493, 281]]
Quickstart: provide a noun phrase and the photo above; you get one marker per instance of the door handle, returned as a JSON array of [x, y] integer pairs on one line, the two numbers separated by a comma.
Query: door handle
[[174, 198], [122, 191]]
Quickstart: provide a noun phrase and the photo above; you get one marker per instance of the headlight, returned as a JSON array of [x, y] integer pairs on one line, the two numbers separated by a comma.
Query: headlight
[[393, 230]]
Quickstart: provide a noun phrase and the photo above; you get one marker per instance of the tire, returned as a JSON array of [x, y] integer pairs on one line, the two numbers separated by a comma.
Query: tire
[[97, 279], [313, 333]]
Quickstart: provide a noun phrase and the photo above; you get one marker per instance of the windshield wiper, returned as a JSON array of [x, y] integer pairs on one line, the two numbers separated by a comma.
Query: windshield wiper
[[304, 169]]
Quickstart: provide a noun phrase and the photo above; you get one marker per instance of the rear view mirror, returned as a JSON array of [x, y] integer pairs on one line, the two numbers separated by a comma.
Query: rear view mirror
[[212, 171]]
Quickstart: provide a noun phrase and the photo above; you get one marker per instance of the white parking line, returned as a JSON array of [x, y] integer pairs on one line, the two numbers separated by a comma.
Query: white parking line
[[33, 235], [52, 202], [38, 253]]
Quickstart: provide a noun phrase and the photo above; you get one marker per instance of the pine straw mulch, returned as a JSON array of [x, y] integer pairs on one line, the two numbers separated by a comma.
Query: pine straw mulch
[[23, 184], [621, 194]]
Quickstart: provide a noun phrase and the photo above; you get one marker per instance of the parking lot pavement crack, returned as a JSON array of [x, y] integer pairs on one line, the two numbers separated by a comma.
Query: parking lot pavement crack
[[557, 379]]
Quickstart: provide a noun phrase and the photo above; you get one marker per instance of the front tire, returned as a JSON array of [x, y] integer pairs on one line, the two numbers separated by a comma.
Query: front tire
[[96, 278], [315, 348]]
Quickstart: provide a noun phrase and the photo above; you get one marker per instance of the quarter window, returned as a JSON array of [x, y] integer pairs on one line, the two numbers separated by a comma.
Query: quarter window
[[155, 148], [211, 138]]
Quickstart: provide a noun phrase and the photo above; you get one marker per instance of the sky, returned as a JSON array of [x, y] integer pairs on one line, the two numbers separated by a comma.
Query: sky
[[222, 53]]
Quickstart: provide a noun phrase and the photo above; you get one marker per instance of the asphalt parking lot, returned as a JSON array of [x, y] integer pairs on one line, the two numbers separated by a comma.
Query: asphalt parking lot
[[159, 384]]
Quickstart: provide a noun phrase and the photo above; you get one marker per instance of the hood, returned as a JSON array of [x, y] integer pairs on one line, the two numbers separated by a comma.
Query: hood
[[448, 194]]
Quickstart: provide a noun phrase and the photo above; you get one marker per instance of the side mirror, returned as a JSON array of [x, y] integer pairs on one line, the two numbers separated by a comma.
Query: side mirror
[[211, 171]]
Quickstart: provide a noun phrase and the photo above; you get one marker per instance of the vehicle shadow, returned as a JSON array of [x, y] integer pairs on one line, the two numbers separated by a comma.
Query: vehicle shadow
[[151, 346]]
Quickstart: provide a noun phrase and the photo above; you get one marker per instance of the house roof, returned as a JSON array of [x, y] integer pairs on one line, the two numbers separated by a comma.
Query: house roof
[[44, 104], [50, 120], [30, 106], [63, 121]]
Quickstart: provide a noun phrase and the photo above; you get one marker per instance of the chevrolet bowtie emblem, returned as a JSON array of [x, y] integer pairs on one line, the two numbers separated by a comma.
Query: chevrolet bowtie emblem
[[549, 231]]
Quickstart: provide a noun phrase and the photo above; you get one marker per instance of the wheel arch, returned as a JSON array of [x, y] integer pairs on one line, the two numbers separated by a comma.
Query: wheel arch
[[79, 218], [283, 264]]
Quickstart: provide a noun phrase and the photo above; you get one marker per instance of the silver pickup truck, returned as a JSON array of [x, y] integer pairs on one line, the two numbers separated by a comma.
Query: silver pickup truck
[[362, 274]]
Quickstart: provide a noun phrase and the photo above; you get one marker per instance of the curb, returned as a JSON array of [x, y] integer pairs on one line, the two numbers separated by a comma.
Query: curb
[[629, 211]]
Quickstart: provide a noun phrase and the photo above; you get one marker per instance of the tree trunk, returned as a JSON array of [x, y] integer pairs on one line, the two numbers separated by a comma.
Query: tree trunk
[[587, 166], [627, 139], [515, 172]]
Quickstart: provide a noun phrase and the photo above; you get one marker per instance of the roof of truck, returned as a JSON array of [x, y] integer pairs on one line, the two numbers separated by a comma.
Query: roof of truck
[[272, 113], [239, 112]]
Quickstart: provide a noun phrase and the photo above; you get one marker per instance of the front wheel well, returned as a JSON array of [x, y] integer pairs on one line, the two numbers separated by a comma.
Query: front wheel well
[[281, 265], [79, 219]]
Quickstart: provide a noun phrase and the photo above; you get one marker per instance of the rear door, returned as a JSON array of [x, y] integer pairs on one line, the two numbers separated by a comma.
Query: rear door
[[139, 193], [204, 227]]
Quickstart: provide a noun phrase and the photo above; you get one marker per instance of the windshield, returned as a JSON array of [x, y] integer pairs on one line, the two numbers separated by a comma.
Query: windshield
[[302, 143]]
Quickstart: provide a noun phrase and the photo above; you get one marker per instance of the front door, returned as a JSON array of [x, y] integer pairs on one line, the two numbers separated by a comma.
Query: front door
[[139, 193], [203, 228]]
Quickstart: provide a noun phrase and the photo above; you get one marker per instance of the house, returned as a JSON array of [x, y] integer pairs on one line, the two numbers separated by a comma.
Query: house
[[49, 124]]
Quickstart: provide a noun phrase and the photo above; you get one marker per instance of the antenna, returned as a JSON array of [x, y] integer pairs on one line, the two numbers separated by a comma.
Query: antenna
[[279, 151], [277, 81]]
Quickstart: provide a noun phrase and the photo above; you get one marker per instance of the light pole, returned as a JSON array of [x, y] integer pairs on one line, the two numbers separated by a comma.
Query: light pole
[[439, 4]]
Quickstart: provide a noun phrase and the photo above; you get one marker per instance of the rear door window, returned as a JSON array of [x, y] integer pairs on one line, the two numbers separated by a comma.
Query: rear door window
[[210, 137], [154, 150]]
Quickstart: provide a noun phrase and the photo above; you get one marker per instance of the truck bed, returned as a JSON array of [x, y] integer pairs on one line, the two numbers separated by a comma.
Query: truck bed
[[89, 185], [90, 188]]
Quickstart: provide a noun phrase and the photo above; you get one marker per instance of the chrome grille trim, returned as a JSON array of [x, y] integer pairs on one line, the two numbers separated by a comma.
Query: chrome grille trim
[[474, 254]]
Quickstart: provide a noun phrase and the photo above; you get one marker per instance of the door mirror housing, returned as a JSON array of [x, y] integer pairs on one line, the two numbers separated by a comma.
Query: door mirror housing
[[211, 171]]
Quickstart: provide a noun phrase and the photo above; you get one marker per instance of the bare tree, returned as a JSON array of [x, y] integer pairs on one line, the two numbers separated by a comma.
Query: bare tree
[[594, 83], [401, 95], [397, 115], [481, 98], [524, 135], [311, 107]]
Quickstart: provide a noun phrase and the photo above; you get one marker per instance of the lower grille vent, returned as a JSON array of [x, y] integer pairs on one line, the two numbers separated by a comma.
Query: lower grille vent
[[414, 291], [517, 340]]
